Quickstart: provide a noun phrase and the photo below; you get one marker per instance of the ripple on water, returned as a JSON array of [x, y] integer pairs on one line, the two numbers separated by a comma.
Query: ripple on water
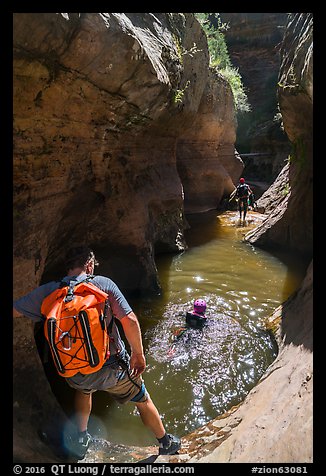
[[207, 370]]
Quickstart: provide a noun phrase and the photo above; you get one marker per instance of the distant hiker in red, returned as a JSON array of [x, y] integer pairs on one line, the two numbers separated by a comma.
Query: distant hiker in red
[[243, 191]]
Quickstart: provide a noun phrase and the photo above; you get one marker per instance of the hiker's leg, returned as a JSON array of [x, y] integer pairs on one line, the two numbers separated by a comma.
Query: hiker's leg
[[83, 407], [150, 417], [245, 208], [240, 208]]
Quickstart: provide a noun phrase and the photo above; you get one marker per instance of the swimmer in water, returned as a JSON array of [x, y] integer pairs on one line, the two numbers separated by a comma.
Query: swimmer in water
[[195, 320]]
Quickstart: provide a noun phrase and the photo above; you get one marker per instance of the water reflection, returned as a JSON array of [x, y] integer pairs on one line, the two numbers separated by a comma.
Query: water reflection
[[208, 370], [205, 372]]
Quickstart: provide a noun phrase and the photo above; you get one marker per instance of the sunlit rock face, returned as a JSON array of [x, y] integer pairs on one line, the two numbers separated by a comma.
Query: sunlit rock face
[[114, 137], [207, 161], [290, 225]]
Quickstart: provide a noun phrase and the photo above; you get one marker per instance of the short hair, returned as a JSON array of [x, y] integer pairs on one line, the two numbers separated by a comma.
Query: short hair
[[79, 256]]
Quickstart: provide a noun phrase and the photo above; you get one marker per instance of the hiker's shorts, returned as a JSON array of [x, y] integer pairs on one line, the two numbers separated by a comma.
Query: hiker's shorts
[[126, 391], [114, 380]]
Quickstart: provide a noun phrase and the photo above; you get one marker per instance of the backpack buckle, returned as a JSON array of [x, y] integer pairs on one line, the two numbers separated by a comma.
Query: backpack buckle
[[65, 340]]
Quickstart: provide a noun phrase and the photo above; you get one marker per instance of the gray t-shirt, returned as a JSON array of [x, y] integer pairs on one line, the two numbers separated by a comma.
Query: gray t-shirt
[[30, 306]]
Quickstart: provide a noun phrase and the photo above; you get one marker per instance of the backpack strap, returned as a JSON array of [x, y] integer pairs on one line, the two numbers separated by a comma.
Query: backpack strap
[[110, 326], [72, 285], [70, 295], [70, 292]]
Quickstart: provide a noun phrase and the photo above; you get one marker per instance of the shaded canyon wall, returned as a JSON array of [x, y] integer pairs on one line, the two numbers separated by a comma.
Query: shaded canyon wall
[[99, 133], [110, 113], [253, 41]]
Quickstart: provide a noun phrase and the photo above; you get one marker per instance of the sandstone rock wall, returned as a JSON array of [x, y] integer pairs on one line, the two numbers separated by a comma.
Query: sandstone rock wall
[[103, 104], [101, 101], [253, 41], [290, 225], [204, 151], [275, 422]]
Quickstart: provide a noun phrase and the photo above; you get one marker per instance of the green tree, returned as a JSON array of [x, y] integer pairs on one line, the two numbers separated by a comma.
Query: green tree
[[214, 29]]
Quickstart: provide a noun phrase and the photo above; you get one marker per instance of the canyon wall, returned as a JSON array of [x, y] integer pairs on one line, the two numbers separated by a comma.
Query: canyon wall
[[106, 107], [290, 222], [253, 41], [274, 424], [110, 148]]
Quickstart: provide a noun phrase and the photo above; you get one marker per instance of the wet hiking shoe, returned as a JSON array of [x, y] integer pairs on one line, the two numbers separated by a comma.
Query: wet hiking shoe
[[174, 444], [79, 446]]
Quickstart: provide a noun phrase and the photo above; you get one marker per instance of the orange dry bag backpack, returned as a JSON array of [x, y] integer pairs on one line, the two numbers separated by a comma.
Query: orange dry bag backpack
[[75, 327]]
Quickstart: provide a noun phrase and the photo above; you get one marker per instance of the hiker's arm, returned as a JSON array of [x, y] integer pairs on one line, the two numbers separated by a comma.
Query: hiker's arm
[[131, 329]]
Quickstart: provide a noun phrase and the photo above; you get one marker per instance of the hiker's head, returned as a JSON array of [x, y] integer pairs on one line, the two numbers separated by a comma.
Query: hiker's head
[[242, 180], [81, 257], [200, 306]]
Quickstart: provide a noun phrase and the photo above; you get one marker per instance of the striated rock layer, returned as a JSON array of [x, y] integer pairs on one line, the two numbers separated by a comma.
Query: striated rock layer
[[113, 112], [108, 110]]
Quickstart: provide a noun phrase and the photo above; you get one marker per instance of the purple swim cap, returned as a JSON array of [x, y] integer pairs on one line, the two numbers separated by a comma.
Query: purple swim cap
[[200, 306]]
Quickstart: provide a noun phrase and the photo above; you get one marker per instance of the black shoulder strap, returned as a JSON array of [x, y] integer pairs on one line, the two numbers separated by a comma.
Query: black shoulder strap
[[72, 285], [70, 292], [110, 327]]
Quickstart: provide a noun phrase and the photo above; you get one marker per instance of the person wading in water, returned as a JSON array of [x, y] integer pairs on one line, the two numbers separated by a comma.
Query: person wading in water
[[243, 191]]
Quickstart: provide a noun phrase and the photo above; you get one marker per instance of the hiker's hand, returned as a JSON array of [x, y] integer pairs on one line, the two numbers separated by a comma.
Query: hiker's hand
[[137, 364]]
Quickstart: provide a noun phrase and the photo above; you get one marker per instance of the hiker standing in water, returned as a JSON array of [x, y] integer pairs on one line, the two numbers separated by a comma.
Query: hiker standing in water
[[243, 191], [120, 374]]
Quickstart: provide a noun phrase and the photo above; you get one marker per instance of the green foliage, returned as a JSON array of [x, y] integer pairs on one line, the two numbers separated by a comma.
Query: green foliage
[[179, 47], [286, 189], [232, 75], [181, 51], [219, 57], [179, 93], [214, 28]]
